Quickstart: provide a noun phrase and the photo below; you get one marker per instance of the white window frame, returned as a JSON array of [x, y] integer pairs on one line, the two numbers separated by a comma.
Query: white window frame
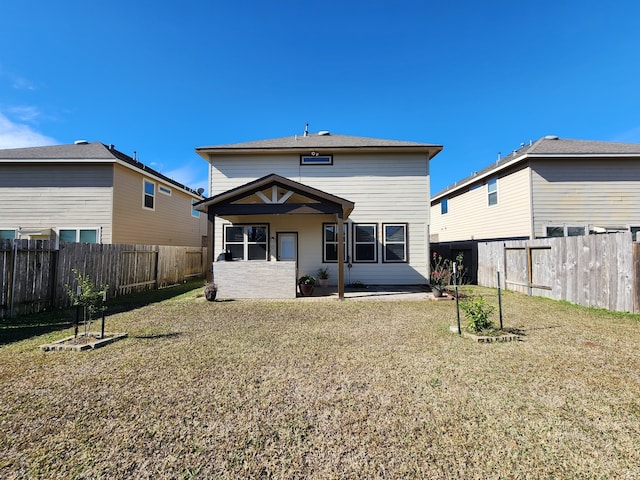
[[245, 240], [145, 194], [355, 242], [78, 231], [386, 242], [334, 242], [164, 190], [492, 193], [316, 159], [444, 206], [14, 230], [565, 230]]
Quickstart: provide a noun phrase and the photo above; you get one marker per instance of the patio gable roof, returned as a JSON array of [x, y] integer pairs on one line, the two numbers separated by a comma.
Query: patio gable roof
[[273, 194]]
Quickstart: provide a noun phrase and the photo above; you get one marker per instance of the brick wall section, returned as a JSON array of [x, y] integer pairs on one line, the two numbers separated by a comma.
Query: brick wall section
[[255, 279]]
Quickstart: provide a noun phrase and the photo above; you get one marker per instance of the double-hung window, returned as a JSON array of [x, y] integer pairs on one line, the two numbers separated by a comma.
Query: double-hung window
[[149, 195], [492, 191], [394, 242], [330, 242], [365, 242], [246, 242]]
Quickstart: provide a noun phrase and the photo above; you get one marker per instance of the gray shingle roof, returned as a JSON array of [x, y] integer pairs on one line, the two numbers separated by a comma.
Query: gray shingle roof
[[94, 150], [550, 147], [315, 140], [82, 152]]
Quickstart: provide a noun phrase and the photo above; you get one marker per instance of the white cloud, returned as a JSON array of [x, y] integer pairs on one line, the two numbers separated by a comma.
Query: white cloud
[[18, 135], [190, 174], [17, 82], [25, 114], [630, 136]]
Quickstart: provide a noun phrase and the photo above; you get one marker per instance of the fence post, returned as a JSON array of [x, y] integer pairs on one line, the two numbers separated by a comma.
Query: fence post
[[13, 278]]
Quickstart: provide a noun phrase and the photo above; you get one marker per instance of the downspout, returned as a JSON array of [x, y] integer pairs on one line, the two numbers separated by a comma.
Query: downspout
[[532, 227]]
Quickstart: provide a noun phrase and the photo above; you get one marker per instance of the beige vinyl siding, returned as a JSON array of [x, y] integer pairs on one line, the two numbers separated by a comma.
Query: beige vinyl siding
[[600, 193], [56, 196], [169, 223], [470, 217], [391, 188]]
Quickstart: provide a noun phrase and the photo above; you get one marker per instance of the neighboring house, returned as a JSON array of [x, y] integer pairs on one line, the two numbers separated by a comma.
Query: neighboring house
[[92, 193], [285, 207], [551, 187]]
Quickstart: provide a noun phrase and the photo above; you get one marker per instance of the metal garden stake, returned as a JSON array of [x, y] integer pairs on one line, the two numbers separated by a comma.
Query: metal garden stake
[[455, 286]]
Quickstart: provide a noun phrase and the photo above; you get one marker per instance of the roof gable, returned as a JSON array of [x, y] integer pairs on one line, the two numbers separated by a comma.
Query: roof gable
[[273, 194]]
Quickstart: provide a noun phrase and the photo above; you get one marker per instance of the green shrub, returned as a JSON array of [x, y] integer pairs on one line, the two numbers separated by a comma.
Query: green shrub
[[477, 311]]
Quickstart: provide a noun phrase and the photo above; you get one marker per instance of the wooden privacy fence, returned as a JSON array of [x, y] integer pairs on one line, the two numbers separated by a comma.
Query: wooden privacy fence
[[33, 274], [593, 270]]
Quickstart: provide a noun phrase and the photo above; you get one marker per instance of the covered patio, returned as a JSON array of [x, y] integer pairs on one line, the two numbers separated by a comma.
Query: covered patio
[[285, 210]]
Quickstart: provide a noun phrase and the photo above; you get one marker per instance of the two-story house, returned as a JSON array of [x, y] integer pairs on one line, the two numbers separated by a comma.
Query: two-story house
[[93, 193], [285, 207], [550, 187]]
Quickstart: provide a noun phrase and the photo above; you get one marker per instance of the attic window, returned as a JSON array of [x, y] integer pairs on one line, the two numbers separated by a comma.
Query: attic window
[[316, 159], [165, 190]]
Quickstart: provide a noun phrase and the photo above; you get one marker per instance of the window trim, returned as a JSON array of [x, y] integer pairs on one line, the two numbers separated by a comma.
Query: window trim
[[492, 192], [245, 242], [355, 243], [78, 231], [324, 241], [315, 159], [405, 243], [565, 229], [14, 230], [145, 194]]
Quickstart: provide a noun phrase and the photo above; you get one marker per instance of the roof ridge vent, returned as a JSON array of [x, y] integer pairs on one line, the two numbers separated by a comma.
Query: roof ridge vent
[[324, 133], [80, 142], [551, 137]]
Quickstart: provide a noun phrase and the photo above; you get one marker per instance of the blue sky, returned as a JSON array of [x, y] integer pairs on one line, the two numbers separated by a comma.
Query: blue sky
[[161, 78]]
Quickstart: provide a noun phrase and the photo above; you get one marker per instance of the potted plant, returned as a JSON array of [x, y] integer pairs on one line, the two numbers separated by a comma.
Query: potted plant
[[210, 291], [323, 276], [306, 283]]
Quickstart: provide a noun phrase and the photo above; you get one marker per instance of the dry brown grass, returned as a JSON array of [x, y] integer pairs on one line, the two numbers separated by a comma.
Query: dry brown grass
[[327, 390]]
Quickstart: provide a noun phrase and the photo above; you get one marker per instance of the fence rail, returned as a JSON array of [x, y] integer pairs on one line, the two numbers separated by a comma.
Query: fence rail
[[33, 274], [593, 270]]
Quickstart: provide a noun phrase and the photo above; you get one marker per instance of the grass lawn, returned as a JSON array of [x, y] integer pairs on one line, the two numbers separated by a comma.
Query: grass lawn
[[330, 389]]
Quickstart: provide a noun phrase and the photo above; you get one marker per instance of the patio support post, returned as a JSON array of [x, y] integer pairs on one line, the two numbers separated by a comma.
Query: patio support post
[[340, 223], [211, 218]]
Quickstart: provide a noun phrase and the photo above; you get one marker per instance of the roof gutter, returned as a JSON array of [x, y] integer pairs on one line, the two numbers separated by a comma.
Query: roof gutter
[[471, 180]]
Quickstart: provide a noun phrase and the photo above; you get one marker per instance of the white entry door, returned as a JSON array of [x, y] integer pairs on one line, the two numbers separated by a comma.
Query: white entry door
[[287, 247]]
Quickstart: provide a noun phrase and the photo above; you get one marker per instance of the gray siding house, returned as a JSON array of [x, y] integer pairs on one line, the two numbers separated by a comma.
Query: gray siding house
[[285, 207], [551, 187], [93, 193]]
